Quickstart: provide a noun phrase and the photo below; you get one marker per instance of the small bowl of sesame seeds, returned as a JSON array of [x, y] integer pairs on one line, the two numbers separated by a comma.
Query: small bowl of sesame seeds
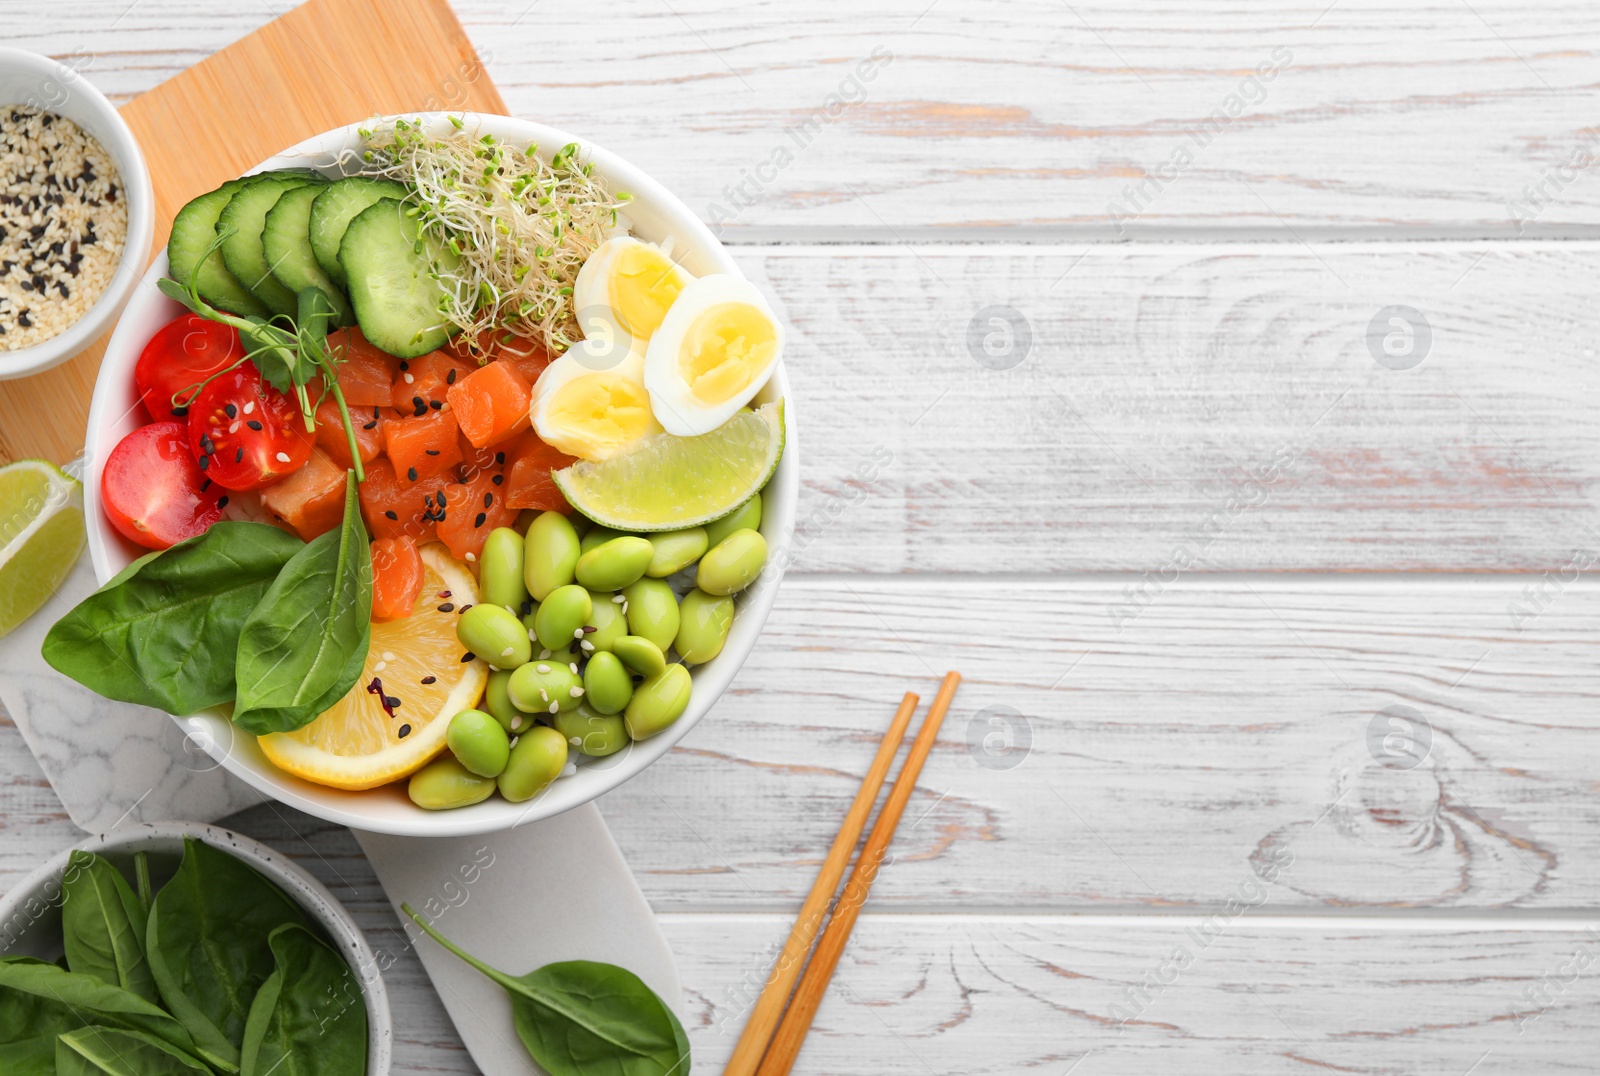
[[77, 213]]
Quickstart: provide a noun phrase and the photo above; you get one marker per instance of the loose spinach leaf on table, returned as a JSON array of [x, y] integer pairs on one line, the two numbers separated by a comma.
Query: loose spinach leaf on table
[[165, 632], [103, 924], [304, 645], [208, 944], [40, 1001], [583, 1018], [308, 1018], [109, 1051]]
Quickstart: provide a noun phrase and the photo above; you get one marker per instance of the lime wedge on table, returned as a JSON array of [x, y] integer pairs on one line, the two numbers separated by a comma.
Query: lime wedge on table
[[670, 482], [41, 536]]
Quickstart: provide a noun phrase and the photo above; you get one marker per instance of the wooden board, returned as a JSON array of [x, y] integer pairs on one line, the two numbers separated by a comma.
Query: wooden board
[[322, 65]]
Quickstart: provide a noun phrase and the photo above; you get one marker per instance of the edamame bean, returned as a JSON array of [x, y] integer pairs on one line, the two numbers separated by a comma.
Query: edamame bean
[[652, 611], [559, 620], [745, 517], [500, 579], [657, 702], [607, 620], [545, 687], [493, 634], [497, 701], [733, 563], [536, 760], [614, 564], [640, 655], [591, 733], [675, 551], [445, 783], [607, 685], [478, 742], [550, 552], [597, 535], [703, 630]]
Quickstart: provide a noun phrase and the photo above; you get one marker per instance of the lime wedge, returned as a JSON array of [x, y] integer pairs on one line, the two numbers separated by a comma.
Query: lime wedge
[[41, 536], [671, 482]]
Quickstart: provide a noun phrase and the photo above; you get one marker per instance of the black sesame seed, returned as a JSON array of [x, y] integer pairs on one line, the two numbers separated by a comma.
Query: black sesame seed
[[422, 409], [447, 608], [440, 496], [391, 700], [418, 401], [497, 479], [450, 378], [488, 500], [479, 521], [411, 473], [435, 404], [222, 501], [370, 425], [254, 425], [238, 457], [431, 451], [430, 679], [180, 412], [464, 608], [404, 366], [499, 457], [468, 656], [205, 484], [527, 606], [390, 514], [206, 444], [205, 462], [230, 410], [405, 730]]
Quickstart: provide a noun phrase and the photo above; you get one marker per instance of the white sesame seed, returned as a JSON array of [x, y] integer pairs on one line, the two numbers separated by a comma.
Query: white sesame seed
[[387, 655], [472, 556], [380, 666], [575, 692], [543, 694], [544, 654], [283, 457], [508, 651], [249, 407], [573, 665], [587, 645], [577, 633], [410, 380], [542, 667], [233, 427], [618, 598], [533, 637], [555, 708], [576, 741], [516, 721]]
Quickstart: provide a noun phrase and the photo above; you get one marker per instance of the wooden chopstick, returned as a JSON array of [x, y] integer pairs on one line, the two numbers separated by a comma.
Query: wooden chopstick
[[791, 1034], [769, 1007]]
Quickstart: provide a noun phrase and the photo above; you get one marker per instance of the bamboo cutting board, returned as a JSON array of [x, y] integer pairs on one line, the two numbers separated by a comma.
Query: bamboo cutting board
[[322, 65]]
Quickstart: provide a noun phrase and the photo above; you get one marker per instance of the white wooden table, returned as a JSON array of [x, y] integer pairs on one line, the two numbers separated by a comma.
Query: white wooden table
[[1189, 539]]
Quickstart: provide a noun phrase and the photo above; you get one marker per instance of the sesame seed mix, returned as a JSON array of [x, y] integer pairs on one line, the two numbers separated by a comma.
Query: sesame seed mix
[[63, 221]]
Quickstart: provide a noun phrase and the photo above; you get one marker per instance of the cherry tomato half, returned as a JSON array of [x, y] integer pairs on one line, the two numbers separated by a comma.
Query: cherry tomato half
[[155, 494], [183, 353], [244, 433]]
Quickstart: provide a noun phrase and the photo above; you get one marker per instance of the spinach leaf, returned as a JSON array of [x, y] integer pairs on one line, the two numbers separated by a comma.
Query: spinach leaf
[[208, 944], [164, 634], [308, 1018], [40, 1001], [108, 1051], [102, 924], [304, 645], [582, 1018]]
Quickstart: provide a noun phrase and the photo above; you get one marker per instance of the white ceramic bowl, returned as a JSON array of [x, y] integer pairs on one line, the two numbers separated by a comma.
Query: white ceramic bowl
[[656, 215], [54, 86], [30, 913]]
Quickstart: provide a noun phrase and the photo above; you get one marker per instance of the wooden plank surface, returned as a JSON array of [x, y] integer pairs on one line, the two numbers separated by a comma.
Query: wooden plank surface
[[323, 65], [1196, 735], [1418, 117]]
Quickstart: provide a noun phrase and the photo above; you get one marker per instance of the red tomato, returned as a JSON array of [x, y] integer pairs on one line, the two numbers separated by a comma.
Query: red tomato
[[396, 577], [183, 352], [365, 373], [472, 510], [245, 433], [155, 494]]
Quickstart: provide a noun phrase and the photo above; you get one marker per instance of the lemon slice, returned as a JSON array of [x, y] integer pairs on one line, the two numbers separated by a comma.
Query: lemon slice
[[41, 536], [356, 744], [669, 482]]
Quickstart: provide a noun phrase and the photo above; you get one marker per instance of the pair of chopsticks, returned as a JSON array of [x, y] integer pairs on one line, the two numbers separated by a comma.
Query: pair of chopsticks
[[761, 1050]]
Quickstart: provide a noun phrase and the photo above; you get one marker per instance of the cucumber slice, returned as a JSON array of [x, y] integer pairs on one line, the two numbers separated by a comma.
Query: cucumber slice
[[286, 242], [241, 223], [193, 229], [390, 270], [335, 208]]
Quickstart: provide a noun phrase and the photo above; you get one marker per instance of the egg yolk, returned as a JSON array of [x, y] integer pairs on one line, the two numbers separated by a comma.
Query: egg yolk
[[595, 415], [644, 283], [726, 348]]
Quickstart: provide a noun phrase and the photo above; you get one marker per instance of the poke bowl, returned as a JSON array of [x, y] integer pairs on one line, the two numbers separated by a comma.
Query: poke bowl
[[673, 462]]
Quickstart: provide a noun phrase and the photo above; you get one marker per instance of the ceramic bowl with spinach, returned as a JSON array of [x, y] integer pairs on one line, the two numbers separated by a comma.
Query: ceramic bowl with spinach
[[190, 944]]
